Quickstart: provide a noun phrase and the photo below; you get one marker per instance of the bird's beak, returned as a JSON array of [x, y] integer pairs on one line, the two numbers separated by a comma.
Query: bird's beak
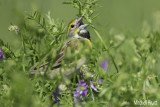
[[79, 21], [81, 27]]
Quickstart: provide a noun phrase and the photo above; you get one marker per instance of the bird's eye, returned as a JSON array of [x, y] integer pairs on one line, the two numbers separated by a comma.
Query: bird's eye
[[72, 26]]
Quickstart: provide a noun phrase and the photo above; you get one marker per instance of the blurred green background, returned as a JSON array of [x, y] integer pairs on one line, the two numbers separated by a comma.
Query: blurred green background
[[122, 15]]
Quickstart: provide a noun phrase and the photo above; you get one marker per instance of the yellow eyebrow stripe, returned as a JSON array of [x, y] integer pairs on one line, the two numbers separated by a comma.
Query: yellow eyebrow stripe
[[69, 26]]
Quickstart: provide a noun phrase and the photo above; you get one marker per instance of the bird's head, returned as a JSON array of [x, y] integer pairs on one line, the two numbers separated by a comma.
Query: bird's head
[[76, 29]]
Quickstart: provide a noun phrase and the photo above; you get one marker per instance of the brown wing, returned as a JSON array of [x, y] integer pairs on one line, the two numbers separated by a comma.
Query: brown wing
[[42, 68], [71, 45], [61, 55]]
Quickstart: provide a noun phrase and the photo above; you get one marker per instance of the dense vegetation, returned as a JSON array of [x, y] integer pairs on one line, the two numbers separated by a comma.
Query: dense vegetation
[[123, 67]]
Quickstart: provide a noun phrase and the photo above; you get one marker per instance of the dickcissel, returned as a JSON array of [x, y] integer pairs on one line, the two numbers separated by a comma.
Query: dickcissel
[[73, 54]]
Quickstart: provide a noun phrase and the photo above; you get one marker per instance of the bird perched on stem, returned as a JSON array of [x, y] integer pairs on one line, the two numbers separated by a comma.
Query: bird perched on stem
[[73, 54]]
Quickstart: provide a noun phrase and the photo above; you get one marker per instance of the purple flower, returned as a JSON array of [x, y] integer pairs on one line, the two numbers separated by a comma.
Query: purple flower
[[100, 81], [81, 90], [56, 95], [81, 93], [105, 65], [1, 54], [93, 87]]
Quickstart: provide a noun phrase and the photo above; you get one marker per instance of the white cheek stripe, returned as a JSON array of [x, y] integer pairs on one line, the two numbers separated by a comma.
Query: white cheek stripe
[[76, 36]]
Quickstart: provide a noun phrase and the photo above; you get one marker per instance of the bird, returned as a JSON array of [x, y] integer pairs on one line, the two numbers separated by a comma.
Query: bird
[[73, 54]]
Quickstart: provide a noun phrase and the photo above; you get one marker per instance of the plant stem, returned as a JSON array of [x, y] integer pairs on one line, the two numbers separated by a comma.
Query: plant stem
[[99, 36]]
